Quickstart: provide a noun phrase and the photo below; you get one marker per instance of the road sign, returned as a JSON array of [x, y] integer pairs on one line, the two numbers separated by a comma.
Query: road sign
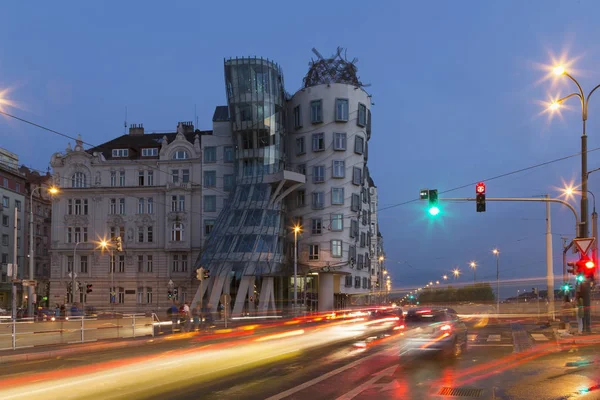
[[583, 244], [29, 282], [480, 188]]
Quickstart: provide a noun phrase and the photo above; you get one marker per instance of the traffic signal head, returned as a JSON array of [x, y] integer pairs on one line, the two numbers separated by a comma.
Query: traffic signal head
[[200, 273], [424, 194], [89, 288], [566, 287], [580, 278], [119, 243], [206, 274], [480, 202], [572, 267], [433, 202], [170, 294]]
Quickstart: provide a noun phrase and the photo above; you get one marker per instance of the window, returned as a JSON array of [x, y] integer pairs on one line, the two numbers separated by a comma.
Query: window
[[150, 180], [316, 111], [180, 155], [210, 203], [354, 228], [5, 220], [19, 242], [341, 109], [78, 180], [5, 182], [185, 175], [18, 205], [149, 295], [228, 154], [363, 239], [339, 141], [348, 281], [357, 282], [313, 252], [149, 263], [69, 263], [5, 201], [300, 147], [318, 174], [248, 140], [253, 218], [339, 168], [337, 222], [4, 240], [141, 206], [362, 115], [210, 154], [359, 145], [178, 203], [209, 224], [121, 178], [177, 232], [364, 217], [359, 262], [81, 207], [140, 263], [318, 200], [297, 117], [300, 198], [228, 182], [352, 254], [140, 231], [19, 223], [149, 234], [150, 205], [355, 203], [83, 264], [364, 280], [175, 175], [4, 259], [17, 187], [336, 248], [141, 176], [121, 295], [356, 175], [337, 196], [120, 153], [302, 169], [184, 263], [122, 206], [210, 179], [69, 235], [140, 295], [317, 226], [113, 206], [150, 152], [318, 141], [121, 265]]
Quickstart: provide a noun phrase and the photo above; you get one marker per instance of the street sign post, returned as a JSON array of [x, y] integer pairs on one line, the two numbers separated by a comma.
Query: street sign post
[[584, 244], [225, 300]]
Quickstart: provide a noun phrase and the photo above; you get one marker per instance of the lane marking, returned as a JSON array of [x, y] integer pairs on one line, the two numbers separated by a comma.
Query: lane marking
[[493, 338], [539, 337], [368, 384], [328, 375], [491, 345]]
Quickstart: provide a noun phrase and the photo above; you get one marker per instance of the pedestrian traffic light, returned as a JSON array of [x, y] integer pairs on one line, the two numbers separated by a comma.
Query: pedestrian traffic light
[[200, 273], [572, 267], [566, 287], [424, 194], [480, 202], [170, 294], [433, 202], [580, 278], [119, 243], [89, 288]]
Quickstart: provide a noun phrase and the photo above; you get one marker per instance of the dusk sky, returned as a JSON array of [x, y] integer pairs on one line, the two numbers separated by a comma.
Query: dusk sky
[[458, 91]]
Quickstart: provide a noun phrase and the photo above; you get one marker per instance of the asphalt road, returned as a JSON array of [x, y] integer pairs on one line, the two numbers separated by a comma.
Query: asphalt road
[[503, 362]]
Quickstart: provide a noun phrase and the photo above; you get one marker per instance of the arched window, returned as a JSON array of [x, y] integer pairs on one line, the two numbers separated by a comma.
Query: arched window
[[78, 180], [181, 155], [177, 232]]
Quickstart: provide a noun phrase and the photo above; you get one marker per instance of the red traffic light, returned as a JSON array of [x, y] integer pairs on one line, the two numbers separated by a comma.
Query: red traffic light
[[480, 188], [590, 264]]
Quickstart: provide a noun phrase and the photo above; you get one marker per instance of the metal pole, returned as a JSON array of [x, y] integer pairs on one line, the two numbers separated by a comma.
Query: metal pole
[[595, 235], [497, 284], [112, 279], [549, 263], [585, 286], [73, 275], [295, 267], [31, 253], [14, 268]]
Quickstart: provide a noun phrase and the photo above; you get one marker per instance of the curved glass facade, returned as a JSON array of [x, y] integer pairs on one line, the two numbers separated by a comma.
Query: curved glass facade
[[245, 248]]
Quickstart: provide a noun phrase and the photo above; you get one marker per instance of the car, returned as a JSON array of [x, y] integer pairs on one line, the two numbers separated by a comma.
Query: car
[[435, 329]]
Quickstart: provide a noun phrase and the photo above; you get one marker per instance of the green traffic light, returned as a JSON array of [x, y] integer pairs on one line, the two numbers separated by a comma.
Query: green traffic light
[[434, 211], [580, 278]]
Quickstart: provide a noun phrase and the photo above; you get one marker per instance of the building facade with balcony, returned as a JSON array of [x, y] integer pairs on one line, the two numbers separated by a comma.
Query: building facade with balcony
[[145, 188], [12, 199]]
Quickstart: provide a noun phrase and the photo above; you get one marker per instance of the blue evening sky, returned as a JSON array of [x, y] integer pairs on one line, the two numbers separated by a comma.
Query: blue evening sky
[[456, 87]]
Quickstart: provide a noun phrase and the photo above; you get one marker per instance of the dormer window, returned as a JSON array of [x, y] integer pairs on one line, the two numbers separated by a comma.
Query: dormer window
[[152, 152], [120, 153], [180, 155]]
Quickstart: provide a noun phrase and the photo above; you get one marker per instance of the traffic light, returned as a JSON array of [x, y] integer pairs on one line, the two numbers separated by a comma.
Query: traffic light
[[572, 267], [206, 274], [580, 278], [480, 198], [584, 268], [200, 273], [566, 287], [170, 294], [119, 243], [89, 288], [424, 194], [590, 269], [433, 202]]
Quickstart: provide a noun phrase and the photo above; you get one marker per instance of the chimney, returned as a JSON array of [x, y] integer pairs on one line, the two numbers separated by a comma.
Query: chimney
[[136, 129], [185, 127]]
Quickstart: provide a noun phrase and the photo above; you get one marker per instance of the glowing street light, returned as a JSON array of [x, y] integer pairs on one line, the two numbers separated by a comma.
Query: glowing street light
[[559, 70], [456, 272], [445, 277]]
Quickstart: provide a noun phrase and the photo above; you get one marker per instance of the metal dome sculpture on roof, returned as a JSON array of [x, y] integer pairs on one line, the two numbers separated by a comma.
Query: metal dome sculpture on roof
[[336, 69]]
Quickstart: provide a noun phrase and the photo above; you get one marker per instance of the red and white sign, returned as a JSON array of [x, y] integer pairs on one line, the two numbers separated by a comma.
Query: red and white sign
[[584, 244], [480, 188]]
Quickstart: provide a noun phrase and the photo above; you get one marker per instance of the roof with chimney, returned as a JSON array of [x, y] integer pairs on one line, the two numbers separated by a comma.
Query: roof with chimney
[[137, 140]]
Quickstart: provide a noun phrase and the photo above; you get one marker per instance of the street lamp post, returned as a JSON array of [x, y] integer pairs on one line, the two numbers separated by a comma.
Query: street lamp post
[[296, 231], [73, 275], [496, 252], [30, 289], [583, 231], [381, 258]]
